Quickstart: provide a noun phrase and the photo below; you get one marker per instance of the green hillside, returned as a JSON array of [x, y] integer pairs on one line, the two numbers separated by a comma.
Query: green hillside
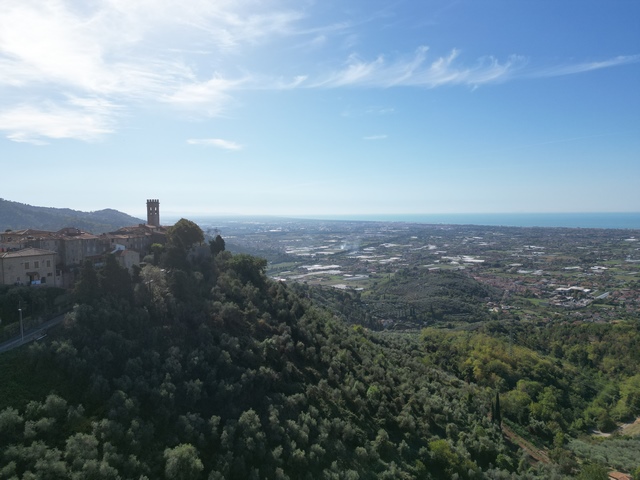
[[410, 298], [17, 216], [199, 367]]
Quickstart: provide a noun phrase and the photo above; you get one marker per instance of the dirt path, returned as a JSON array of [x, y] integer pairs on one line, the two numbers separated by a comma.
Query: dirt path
[[630, 429], [534, 452]]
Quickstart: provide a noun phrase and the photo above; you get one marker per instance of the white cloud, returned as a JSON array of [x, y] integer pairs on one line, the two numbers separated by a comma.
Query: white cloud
[[86, 119], [373, 110], [296, 82], [375, 137], [416, 71], [208, 96], [215, 142], [191, 55], [586, 67], [380, 110], [123, 51]]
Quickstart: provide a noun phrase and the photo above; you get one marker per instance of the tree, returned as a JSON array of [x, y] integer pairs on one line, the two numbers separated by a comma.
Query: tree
[[593, 471], [217, 245], [249, 269], [80, 448], [185, 234], [497, 414], [115, 280], [182, 462], [87, 289], [156, 249], [11, 425]]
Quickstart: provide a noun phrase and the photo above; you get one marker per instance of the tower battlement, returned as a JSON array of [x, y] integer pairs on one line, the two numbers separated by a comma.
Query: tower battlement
[[153, 212]]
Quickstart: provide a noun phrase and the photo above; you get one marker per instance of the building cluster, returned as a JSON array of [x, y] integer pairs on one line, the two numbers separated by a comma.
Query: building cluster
[[38, 257]]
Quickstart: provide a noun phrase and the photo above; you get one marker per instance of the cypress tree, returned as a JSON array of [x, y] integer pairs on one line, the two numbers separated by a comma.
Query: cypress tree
[[497, 416]]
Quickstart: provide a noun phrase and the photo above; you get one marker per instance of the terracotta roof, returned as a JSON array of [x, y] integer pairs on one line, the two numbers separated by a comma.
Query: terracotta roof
[[27, 252], [619, 476], [26, 231], [143, 228], [83, 236], [21, 235]]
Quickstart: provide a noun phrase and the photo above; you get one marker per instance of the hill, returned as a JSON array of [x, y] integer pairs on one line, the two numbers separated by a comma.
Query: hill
[[16, 216], [199, 366], [409, 298]]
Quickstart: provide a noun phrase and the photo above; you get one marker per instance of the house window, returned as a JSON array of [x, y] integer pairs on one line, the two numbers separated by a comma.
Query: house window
[[36, 264], [43, 280], [48, 263], [26, 265], [49, 274]]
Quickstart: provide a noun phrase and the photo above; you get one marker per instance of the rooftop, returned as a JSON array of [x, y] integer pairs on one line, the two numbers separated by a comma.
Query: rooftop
[[27, 252]]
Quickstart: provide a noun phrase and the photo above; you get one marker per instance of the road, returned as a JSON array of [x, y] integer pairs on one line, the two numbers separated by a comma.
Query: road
[[31, 335]]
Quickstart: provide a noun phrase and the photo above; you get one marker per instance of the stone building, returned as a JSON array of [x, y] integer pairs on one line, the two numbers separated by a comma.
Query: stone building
[[29, 266], [70, 247], [153, 212]]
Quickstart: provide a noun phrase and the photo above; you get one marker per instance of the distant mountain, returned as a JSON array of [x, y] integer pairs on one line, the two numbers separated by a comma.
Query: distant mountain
[[16, 216]]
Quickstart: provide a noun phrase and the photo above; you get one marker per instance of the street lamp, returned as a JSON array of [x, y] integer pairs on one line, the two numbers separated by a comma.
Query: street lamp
[[21, 325]]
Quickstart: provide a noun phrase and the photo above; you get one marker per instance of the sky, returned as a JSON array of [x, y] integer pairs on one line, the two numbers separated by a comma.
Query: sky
[[327, 107]]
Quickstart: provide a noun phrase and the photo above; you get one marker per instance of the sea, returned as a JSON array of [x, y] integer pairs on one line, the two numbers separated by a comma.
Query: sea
[[624, 220]]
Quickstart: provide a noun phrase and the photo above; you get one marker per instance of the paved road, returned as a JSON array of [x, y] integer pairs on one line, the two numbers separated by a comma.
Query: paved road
[[31, 335]]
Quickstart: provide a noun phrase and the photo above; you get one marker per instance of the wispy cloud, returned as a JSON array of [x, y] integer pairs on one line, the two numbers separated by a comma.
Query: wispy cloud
[[215, 142], [208, 97], [375, 137], [86, 119], [418, 72], [560, 70], [380, 110], [122, 52], [373, 110], [118, 55]]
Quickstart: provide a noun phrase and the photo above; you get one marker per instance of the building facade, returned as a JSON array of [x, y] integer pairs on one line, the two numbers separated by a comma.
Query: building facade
[[29, 266], [36, 257]]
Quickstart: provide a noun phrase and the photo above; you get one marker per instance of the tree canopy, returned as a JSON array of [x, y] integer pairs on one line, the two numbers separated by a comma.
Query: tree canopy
[[185, 234]]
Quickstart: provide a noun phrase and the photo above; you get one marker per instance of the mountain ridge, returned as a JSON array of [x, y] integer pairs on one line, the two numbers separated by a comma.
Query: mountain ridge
[[16, 216]]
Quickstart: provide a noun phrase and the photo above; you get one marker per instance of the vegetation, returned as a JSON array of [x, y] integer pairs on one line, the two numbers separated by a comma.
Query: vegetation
[[34, 304], [410, 298], [16, 216], [198, 366], [620, 453], [215, 372]]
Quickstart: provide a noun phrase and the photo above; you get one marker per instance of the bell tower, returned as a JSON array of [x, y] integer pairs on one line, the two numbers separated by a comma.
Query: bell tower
[[153, 212]]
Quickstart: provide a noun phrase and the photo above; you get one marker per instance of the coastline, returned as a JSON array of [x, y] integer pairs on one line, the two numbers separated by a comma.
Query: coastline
[[625, 220]]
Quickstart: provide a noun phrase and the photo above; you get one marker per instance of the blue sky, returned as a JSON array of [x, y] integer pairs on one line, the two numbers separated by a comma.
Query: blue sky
[[321, 107]]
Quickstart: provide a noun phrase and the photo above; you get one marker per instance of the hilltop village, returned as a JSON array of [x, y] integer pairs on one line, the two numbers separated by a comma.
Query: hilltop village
[[37, 257]]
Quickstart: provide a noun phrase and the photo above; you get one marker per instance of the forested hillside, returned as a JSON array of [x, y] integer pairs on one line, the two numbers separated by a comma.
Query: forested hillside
[[199, 367], [409, 298], [16, 216]]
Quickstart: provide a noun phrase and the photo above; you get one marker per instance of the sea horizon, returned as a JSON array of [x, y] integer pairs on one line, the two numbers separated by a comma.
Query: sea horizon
[[606, 220]]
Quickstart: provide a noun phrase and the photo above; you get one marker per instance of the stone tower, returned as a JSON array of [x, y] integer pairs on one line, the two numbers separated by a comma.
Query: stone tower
[[153, 212]]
